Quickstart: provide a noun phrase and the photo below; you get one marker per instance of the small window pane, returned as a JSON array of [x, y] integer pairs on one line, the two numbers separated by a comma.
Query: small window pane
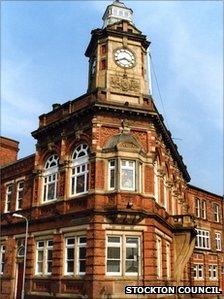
[[82, 240], [40, 267], [114, 239], [70, 241], [70, 253], [82, 266], [113, 252], [131, 240], [49, 254], [40, 244], [70, 266], [51, 191], [40, 256], [49, 267], [113, 266], [82, 253], [127, 179], [80, 184], [131, 266], [131, 253]]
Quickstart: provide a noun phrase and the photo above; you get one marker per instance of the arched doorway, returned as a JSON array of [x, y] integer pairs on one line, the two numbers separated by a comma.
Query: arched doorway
[[19, 271]]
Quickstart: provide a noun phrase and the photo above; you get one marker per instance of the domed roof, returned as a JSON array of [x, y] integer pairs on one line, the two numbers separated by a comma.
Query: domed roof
[[118, 3]]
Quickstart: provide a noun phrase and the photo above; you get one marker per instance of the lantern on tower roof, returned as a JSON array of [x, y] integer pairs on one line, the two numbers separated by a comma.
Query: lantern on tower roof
[[116, 12]]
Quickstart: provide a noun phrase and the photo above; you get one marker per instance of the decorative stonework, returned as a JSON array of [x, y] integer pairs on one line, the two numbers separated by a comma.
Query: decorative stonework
[[124, 84]]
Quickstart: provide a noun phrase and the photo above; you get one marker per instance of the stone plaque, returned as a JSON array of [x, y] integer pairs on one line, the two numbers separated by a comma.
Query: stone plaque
[[124, 84]]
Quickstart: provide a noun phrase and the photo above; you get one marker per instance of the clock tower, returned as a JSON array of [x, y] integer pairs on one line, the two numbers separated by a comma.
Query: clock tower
[[118, 60]]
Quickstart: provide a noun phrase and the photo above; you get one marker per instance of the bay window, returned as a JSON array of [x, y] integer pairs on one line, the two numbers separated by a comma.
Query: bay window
[[80, 170], [50, 178], [123, 255], [122, 175]]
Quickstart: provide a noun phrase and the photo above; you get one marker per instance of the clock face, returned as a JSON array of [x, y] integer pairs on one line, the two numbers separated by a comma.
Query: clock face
[[124, 58], [93, 66]]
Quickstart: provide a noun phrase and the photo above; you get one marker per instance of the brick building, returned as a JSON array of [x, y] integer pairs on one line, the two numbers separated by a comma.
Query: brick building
[[106, 192]]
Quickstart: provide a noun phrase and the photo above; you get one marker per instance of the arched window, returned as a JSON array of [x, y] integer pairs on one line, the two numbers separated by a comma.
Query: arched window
[[165, 193], [156, 181], [21, 251], [80, 170], [50, 178]]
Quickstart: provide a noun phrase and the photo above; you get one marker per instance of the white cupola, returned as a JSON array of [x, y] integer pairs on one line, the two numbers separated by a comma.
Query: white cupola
[[116, 12]]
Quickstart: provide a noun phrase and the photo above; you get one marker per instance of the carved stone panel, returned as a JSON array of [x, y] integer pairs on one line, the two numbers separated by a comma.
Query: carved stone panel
[[124, 84]]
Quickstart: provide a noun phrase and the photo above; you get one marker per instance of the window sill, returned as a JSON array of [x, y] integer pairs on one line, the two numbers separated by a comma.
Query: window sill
[[75, 277], [198, 279], [42, 276], [48, 202], [78, 195], [199, 248], [213, 279], [123, 277]]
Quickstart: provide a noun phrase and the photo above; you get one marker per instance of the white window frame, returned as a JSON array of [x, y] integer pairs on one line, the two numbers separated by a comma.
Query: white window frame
[[110, 169], [123, 245], [8, 194], [128, 167], [213, 272], [80, 167], [45, 249], [216, 210], [218, 241], [168, 260], [159, 263], [50, 176], [18, 198], [75, 246], [197, 207], [203, 209], [140, 178], [203, 239], [2, 259], [198, 271]]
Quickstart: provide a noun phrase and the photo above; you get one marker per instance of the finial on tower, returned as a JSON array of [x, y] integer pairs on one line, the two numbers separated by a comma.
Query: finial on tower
[[116, 12]]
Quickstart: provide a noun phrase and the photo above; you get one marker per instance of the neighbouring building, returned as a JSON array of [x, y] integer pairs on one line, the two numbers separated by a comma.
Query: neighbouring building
[[106, 193]]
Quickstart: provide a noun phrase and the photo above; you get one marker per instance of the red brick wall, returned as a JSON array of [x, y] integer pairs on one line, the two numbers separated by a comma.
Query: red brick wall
[[8, 149]]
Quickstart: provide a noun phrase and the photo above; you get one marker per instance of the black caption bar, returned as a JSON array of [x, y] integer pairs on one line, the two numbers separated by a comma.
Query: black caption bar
[[172, 290]]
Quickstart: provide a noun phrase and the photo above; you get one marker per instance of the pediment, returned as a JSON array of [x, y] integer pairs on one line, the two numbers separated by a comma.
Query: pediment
[[127, 145], [131, 28], [123, 142]]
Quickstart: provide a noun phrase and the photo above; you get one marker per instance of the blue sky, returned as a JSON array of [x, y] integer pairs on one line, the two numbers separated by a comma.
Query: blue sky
[[43, 62]]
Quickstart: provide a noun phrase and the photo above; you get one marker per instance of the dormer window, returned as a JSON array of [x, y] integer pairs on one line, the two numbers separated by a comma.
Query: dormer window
[[50, 178]]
